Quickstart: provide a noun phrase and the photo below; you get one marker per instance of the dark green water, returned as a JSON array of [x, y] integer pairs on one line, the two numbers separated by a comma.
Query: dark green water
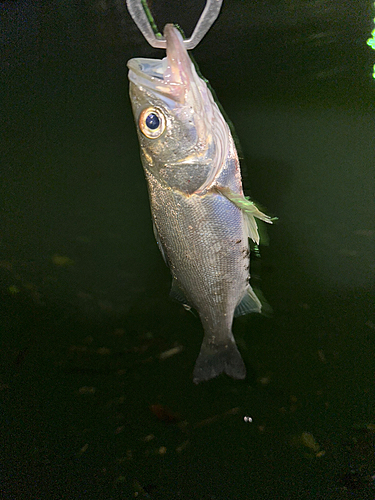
[[85, 312]]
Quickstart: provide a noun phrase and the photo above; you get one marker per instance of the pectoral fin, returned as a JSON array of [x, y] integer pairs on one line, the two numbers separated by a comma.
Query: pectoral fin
[[249, 209]]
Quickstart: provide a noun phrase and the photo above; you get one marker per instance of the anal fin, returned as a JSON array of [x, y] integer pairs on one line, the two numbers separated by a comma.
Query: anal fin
[[249, 304]]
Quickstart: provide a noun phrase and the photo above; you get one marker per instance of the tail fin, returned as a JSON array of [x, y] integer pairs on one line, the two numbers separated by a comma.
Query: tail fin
[[214, 359]]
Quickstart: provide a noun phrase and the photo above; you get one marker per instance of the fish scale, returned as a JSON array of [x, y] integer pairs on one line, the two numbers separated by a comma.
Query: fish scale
[[209, 261]]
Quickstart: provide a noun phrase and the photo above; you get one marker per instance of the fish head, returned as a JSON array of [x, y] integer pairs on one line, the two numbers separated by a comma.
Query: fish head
[[183, 136]]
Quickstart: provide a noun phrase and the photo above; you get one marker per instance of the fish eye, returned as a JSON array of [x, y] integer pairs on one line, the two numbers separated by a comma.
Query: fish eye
[[152, 122]]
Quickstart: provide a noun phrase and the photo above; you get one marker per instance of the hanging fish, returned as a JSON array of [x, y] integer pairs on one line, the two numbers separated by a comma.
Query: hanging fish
[[202, 221]]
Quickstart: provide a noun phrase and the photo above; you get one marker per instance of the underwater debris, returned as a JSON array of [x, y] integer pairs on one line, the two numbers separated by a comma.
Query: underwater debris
[[164, 414], [87, 390], [170, 352], [215, 418], [62, 260], [307, 440]]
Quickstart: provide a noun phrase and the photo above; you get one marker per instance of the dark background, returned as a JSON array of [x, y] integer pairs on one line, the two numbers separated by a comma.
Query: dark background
[[88, 409]]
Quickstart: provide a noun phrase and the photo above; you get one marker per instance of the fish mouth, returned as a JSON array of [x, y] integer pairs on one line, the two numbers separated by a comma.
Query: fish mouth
[[171, 76], [149, 69]]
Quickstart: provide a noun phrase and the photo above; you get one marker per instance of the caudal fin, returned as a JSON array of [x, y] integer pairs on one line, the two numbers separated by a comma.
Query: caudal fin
[[214, 359]]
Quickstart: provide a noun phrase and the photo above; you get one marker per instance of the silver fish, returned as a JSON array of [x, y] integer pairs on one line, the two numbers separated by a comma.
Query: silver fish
[[202, 221]]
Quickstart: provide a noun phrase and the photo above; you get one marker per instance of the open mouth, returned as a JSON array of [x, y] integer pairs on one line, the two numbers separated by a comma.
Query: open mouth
[[148, 68]]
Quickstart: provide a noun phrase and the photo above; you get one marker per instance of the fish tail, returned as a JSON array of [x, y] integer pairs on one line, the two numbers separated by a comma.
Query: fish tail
[[217, 358]]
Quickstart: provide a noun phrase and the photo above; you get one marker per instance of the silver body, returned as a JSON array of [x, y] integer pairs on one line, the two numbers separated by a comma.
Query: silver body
[[202, 234]]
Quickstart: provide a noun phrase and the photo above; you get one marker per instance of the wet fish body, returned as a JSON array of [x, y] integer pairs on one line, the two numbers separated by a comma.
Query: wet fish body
[[202, 221]]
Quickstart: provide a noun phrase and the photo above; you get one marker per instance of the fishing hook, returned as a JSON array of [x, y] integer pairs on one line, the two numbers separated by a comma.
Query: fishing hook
[[142, 17]]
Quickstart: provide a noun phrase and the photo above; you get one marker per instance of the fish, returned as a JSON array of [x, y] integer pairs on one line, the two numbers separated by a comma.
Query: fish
[[202, 221]]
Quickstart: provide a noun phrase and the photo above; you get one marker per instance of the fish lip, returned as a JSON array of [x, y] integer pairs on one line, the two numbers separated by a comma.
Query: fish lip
[[139, 65], [179, 68], [147, 73]]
